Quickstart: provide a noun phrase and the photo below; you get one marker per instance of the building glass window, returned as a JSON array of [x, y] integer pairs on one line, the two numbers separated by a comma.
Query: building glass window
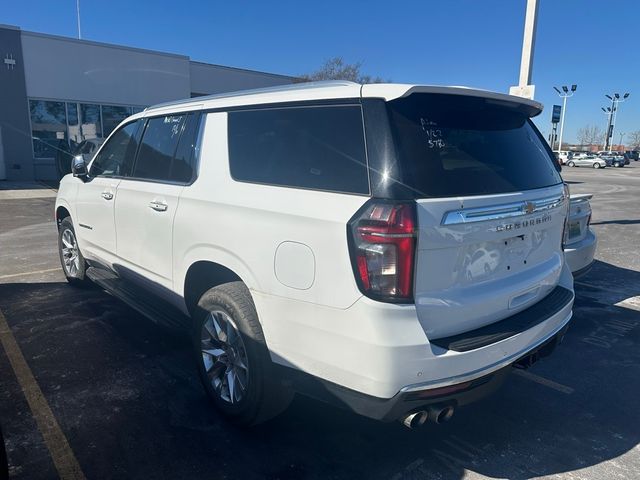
[[112, 116], [74, 125], [48, 127], [60, 127], [91, 126]]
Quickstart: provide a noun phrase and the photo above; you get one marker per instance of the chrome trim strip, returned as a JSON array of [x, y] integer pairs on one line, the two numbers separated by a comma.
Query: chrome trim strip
[[509, 210], [392, 235], [481, 372]]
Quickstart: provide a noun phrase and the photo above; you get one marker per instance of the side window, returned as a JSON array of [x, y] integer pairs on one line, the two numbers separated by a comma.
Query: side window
[[319, 147], [158, 147], [116, 155]]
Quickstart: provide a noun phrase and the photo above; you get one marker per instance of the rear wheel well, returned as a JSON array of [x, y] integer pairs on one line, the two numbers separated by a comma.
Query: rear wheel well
[[202, 276], [61, 214]]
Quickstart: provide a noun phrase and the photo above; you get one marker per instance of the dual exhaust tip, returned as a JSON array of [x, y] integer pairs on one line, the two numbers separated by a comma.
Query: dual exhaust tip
[[435, 414]]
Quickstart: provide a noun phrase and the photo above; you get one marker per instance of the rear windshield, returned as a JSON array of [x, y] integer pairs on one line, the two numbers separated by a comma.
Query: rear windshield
[[452, 145]]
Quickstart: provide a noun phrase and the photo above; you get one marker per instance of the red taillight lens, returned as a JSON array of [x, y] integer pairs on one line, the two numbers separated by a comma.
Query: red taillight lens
[[383, 238]]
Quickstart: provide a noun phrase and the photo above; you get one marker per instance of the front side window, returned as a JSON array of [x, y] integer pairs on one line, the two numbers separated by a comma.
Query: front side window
[[112, 116], [320, 147], [115, 157], [455, 145]]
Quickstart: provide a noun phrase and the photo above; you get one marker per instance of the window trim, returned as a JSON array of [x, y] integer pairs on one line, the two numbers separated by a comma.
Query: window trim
[[342, 102]]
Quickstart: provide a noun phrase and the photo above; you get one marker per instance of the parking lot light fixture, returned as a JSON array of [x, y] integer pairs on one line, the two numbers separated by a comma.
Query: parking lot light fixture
[[564, 94], [615, 101]]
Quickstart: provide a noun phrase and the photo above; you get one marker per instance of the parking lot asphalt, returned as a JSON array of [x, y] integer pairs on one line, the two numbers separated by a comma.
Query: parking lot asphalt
[[125, 396]]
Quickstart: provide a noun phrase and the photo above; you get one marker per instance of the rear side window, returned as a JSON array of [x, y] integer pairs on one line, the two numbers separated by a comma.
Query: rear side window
[[115, 157], [320, 147], [452, 145], [167, 149], [158, 146]]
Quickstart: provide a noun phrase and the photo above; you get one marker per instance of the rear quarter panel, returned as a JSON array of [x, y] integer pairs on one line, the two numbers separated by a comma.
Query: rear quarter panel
[[241, 225]]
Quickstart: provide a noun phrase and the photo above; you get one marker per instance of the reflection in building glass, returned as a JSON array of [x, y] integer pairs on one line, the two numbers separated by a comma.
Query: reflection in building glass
[[112, 116], [91, 126], [59, 127], [48, 127]]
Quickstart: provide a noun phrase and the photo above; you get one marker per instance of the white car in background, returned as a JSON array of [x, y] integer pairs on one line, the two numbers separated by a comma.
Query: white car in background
[[580, 246]]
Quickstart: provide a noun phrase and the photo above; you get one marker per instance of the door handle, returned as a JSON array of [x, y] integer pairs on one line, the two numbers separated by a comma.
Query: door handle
[[158, 206], [107, 195]]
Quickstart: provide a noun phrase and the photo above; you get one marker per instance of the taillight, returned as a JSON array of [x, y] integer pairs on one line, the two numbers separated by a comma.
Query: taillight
[[382, 239], [565, 228]]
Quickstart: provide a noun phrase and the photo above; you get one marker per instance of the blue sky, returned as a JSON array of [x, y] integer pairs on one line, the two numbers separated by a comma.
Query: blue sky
[[593, 43]]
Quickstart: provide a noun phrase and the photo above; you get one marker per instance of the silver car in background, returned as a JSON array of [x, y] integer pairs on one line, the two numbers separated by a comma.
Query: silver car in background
[[593, 162], [581, 243]]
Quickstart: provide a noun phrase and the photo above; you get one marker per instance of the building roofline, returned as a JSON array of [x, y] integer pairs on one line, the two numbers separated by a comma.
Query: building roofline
[[278, 75], [103, 44]]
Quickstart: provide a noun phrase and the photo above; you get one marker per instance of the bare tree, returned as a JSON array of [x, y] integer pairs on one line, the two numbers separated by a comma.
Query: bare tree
[[590, 135], [634, 140], [337, 69]]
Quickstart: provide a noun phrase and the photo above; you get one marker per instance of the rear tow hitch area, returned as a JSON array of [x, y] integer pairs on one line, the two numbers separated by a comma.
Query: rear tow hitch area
[[543, 351]]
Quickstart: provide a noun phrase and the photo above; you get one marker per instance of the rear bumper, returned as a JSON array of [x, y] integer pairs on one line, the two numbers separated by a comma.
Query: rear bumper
[[381, 350], [415, 398], [579, 256]]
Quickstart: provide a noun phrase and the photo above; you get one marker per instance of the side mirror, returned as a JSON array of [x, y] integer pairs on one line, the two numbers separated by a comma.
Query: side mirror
[[79, 167]]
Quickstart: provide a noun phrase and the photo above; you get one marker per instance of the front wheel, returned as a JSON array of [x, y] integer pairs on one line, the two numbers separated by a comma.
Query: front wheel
[[73, 263], [571, 164], [232, 357], [596, 165]]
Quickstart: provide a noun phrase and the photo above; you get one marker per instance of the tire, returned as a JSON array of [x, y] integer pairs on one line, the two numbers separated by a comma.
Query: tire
[[236, 372], [571, 164], [596, 165], [73, 263]]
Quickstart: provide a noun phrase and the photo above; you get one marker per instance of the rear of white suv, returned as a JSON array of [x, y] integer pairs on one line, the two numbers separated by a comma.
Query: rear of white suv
[[458, 255], [389, 248]]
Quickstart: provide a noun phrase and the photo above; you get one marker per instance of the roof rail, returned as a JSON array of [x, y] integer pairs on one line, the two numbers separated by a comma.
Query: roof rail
[[255, 91]]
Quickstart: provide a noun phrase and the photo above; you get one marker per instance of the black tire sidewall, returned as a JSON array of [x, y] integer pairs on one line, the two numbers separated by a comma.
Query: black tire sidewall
[[245, 318]]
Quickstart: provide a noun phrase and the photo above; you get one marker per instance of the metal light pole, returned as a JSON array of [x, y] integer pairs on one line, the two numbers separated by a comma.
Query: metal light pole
[[615, 100], [564, 94], [621, 135], [78, 15], [524, 87], [609, 113]]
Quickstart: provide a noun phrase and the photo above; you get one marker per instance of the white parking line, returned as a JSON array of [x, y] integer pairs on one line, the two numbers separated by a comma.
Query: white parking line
[[63, 457], [544, 381], [13, 275]]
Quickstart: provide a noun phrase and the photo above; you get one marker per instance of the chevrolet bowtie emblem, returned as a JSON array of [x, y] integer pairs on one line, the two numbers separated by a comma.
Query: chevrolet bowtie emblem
[[528, 207]]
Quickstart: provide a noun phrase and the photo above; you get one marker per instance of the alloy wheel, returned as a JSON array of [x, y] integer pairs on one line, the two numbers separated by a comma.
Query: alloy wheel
[[70, 253], [224, 357]]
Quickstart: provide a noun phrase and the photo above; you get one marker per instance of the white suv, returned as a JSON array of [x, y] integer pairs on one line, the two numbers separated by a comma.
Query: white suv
[[389, 248]]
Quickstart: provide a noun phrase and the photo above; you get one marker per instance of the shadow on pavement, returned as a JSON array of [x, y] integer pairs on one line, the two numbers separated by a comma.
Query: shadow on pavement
[[127, 396], [618, 222]]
